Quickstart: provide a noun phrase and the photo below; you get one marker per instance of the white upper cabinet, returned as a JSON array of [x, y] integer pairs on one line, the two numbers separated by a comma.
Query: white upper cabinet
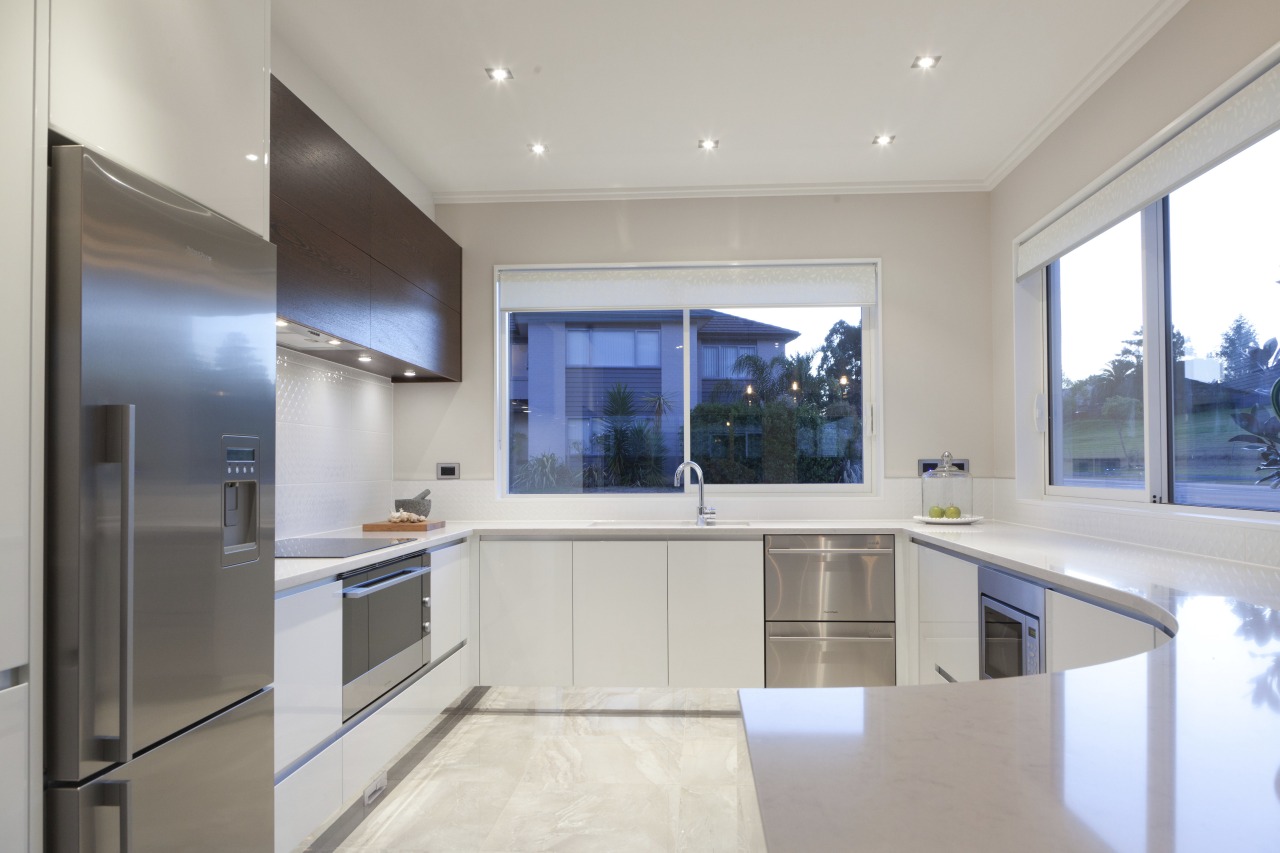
[[177, 91]]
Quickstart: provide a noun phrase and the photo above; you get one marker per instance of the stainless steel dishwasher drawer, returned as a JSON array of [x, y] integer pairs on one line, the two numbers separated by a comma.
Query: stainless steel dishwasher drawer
[[829, 654], [812, 578]]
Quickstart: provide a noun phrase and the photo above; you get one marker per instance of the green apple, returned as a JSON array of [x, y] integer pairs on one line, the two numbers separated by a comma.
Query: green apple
[[952, 511], [936, 512]]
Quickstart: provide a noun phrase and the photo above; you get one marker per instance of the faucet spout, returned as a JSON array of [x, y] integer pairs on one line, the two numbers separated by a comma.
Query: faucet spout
[[705, 512]]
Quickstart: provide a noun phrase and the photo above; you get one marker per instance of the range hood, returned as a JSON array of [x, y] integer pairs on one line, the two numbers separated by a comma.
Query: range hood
[[313, 342]]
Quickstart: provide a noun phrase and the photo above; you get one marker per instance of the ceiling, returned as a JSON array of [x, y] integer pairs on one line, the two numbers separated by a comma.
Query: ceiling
[[620, 93]]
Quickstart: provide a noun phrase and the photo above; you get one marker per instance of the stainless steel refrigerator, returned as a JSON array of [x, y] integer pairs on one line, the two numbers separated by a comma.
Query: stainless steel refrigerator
[[160, 521]]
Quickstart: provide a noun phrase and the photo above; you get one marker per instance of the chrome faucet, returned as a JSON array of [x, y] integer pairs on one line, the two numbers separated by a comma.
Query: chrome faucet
[[705, 513]]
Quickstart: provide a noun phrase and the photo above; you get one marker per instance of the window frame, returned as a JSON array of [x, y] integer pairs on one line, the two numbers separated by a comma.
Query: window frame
[[1158, 375], [872, 389]]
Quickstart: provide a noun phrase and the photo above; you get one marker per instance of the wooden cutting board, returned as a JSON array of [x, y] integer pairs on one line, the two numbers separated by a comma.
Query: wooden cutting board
[[396, 526]]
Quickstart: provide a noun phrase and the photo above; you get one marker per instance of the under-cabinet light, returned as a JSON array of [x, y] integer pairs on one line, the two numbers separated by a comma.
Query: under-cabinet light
[[411, 373], [364, 358]]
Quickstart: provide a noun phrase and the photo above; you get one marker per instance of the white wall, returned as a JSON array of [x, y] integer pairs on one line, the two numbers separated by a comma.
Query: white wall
[[935, 320], [333, 446], [316, 94]]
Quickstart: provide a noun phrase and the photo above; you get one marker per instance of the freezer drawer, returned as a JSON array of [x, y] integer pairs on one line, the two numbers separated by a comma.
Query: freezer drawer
[[816, 578], [209, 790], [829, 654]]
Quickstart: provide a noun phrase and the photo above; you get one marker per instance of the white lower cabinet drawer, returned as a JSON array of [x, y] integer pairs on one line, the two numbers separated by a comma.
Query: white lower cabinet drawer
[[376, 742], [308, 797]]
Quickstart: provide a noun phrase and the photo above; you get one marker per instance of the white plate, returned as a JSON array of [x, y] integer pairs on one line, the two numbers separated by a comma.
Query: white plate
[[965, 519]]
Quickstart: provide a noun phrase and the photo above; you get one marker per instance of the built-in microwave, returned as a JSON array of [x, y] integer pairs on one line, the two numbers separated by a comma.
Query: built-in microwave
[[1010, 625]]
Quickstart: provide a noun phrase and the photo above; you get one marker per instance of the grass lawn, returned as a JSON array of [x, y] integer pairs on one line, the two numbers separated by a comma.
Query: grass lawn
[[1202, 448]]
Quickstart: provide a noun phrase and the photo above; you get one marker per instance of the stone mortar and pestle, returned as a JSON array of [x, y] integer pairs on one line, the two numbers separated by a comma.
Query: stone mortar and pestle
[[420, 504]]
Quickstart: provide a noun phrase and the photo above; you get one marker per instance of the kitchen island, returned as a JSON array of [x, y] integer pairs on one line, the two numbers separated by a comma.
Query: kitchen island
[[1178, 748]]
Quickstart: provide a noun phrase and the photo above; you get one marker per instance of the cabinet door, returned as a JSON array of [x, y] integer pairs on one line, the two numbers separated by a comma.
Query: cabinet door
[[322, 281], [619, 614], [951, 646], [407, 241], [948, 617], [17, 191], [1083, 634], [448, 573], [413, 326], [316, 171], [176, 91], [526, 613], [14, 735], [308, 670], [715, 613]]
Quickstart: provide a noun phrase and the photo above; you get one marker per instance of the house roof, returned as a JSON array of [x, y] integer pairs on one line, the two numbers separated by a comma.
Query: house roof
[[721, 325]]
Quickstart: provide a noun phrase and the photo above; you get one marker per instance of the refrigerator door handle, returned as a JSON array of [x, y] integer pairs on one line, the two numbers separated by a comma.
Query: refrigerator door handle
[[119, 795], [123, 419]]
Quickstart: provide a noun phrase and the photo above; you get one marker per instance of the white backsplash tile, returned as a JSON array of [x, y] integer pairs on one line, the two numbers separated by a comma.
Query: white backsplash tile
[[477, 500], [333, 445], [1179, 529]]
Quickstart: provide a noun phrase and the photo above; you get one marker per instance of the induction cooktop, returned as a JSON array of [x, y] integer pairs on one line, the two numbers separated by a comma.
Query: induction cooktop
[[317, 546]]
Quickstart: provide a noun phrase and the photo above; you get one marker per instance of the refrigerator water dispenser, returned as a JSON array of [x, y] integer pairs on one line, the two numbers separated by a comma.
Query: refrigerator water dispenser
[[241, 455]]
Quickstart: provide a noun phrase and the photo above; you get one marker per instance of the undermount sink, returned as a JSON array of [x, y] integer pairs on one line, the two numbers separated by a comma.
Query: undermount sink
[[683, 523]]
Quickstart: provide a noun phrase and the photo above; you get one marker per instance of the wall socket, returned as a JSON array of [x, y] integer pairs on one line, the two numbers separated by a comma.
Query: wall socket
[[376, 787], [448, 471]]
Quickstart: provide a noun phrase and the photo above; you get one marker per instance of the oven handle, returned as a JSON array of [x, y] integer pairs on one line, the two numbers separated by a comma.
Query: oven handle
[[361, 590]]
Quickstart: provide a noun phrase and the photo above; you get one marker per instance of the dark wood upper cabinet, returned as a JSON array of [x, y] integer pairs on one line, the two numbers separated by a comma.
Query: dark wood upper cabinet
[[322, 281], [414, 325], [316, 171], [356, 259], [407, 241]]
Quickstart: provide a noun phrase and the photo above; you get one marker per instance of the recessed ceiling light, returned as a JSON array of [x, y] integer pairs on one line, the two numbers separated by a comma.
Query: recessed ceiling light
[[335, 342], [708, 144], [364, 358], [882, 140], [500, 74], [926, 62], [280, 324], [537, 148], [411, 373]]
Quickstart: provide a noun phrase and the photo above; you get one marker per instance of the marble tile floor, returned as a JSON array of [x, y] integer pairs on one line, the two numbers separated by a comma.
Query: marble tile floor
[[572, 769]]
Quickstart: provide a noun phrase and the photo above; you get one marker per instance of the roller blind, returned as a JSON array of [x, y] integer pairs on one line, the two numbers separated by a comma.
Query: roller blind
[[817, 283], [1243, 118]]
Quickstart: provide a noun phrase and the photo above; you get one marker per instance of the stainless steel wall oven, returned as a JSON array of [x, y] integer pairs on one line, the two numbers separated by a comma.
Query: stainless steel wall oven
[[1010, 625], [386, 628]]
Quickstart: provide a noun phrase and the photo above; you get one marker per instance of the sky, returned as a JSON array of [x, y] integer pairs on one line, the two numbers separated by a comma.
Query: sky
[[812, 323], [1224, 238]]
